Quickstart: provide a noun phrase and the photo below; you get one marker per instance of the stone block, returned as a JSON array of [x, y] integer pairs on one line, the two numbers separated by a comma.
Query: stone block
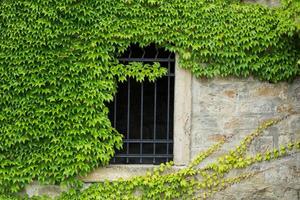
[[213, 106], [262, 144], [294, 123], [271, 3], [206, 122], [36, 189], [230, 93], [287, 108], [294, 91], [202, 138], [241, 122], [271, 90], [258, 106]]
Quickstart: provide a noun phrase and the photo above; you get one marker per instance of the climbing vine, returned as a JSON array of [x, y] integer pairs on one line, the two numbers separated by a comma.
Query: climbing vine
[[191, 182], [59, 68]]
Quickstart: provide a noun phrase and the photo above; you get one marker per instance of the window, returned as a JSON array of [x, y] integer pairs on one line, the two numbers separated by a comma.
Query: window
[[179, 127], [144, 112]]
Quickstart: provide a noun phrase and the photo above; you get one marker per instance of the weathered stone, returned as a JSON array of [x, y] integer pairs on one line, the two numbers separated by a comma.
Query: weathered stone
[[267, 90], [285, 108], [182, 115], [36, 189], [233, 123], [295, 122], [230, 93], [114, 172], [270, 3], [206, 122], [242, 122], [277, 182], [262, 144], [217, 137], [233, 109], [258, 106]]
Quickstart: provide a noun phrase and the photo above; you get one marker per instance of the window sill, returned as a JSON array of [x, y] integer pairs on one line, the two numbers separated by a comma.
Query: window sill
[[114, 172]]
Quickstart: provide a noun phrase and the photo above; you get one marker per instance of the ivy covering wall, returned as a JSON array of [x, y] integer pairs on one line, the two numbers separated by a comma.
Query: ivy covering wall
[[59, 68]]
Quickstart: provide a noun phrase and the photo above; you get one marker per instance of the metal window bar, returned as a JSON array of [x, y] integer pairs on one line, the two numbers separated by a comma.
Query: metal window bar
[[115, 118], [141, 126], [168, 110], [161, 151], [128, 117], [154, 121]]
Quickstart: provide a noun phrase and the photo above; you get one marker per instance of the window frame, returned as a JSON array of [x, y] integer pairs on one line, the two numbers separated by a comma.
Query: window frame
[[181, 140]]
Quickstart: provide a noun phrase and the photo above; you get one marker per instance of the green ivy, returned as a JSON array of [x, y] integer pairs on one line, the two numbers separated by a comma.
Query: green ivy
[[59, 68], [191, 182]]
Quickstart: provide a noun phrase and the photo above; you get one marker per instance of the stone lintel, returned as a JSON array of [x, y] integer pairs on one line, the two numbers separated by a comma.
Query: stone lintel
[[115, 172]]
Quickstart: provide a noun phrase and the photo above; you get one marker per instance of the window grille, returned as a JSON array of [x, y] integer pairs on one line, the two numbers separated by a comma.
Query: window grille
[[143, 112]]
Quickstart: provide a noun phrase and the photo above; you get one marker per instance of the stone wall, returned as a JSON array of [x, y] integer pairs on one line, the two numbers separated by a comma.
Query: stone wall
[[270, 3], [232, 108], [225, 108]]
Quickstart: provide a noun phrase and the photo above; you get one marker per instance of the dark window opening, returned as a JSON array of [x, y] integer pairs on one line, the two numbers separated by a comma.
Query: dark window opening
[[143, 112]]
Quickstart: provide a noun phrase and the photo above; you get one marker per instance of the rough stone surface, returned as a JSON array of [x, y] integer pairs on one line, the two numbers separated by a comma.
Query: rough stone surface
[[270, 3], [182, 115], [280, 181], [232, 108], [114, 172], [36, 189]]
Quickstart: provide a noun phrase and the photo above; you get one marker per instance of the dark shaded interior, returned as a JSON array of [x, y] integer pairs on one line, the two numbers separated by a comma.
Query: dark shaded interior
[[143, 112]]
